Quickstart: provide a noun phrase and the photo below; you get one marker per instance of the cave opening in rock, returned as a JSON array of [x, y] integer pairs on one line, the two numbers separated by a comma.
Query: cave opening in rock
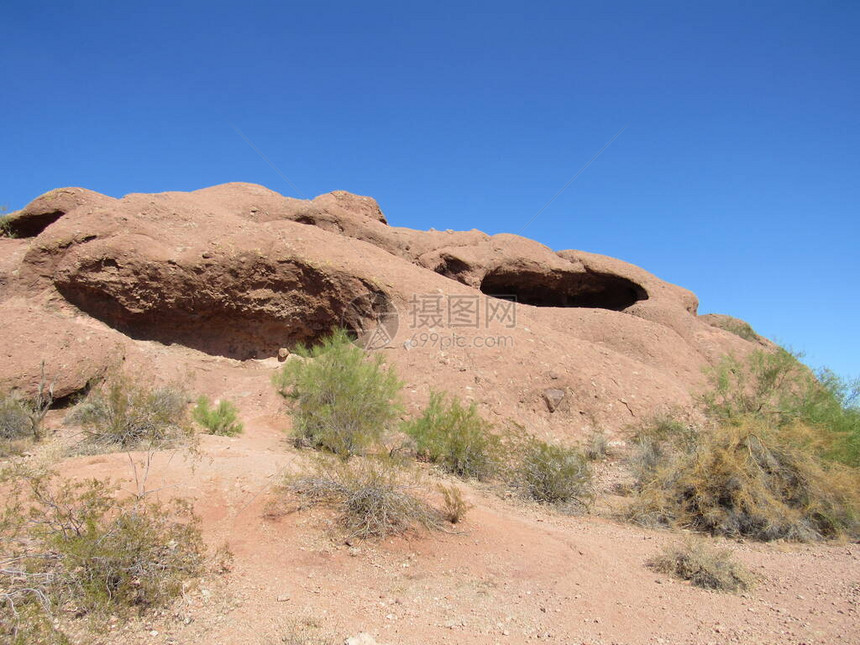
[[453, 267], [247, 314], [32, 225], [563, 288]]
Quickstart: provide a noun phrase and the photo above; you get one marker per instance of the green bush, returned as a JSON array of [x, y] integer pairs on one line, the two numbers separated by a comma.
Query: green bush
[[775, 387], [703, 566], [833, 404], [125, 415], [343, 399], [221, 420], [76, 545], [372, 496], [553, 474], [456, 437], [767, 385]]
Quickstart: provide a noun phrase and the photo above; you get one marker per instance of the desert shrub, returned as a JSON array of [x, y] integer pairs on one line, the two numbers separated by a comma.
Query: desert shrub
[[597, 447], [747, 479], [553, 474], [29, 623], [833, 404], [655, 440], [767, 385], [775, 387], [14, 418], [454, 507], [220, 420], [703, 565], [77, 545], [343, 399], [125, 415], [373, 496], [22, 417], [456, 437], [739, 328], [5, 223]]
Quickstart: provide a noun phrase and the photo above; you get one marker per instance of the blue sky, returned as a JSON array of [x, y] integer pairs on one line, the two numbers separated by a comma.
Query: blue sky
[[737, 176]]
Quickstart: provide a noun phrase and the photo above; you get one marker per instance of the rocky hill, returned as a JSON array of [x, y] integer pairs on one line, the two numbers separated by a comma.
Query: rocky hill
[[563, 342], [212, 289]]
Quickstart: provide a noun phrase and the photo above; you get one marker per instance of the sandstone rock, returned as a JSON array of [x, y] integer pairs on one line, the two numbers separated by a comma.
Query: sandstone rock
[[74, 353], [553, 398], [241, 272]]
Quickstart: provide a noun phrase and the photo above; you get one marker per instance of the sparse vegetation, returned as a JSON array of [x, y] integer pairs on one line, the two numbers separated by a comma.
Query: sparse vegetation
[[703, 565], [220, 420], [124, 415], [307, 631], [738, 328], [372, 496], [767, 465], [5, 229], [454, 507], [747, 479], [597, 446], [456, 437], [22, 418], [553, 474], [78, 546], [343, 399], [775, 387], [14, 418]]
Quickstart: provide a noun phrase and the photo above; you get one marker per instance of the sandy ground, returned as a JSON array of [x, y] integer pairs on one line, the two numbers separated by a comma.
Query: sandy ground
[[511, 573]]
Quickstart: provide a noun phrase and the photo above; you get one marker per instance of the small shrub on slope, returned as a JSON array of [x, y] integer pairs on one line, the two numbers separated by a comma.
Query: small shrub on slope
[[456, 437], [14, 418], [343, 399], [454, 507], [703, 565], [21, 417], [220, 420], [124, 415], [554, 474], [5, 224], [372, 496], [597, 447]]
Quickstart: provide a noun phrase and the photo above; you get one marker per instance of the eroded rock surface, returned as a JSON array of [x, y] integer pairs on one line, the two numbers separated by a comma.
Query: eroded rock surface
[[241, 272]]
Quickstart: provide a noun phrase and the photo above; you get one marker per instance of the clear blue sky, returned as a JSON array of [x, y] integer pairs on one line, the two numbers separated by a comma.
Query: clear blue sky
[[738, 174]]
